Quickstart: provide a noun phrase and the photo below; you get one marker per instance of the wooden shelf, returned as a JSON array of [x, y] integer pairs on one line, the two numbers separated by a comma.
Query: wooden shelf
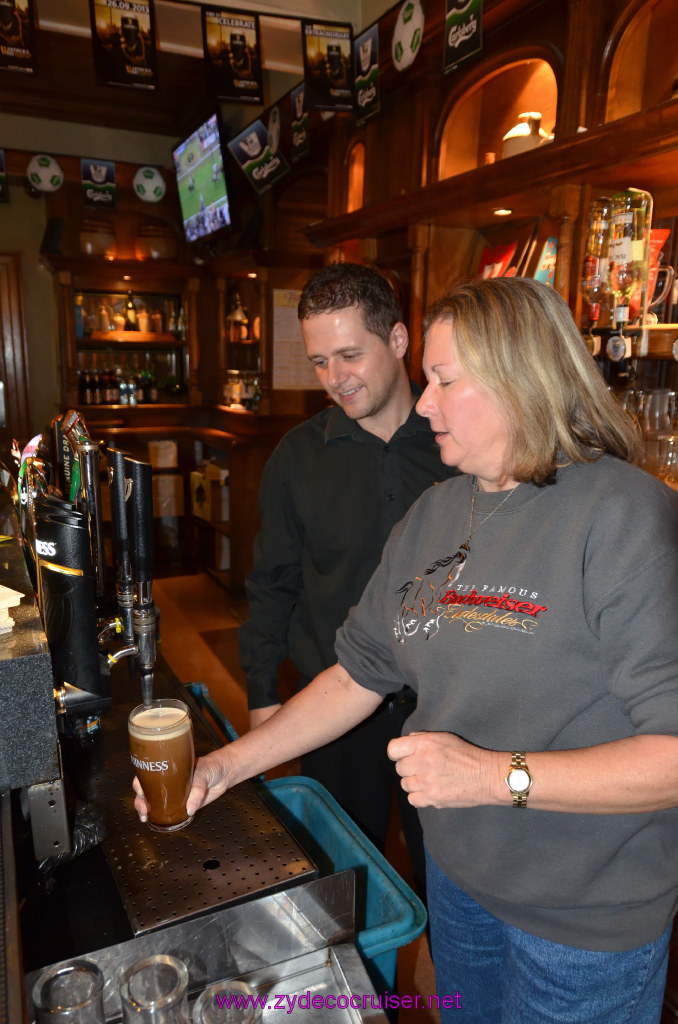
[[638, 150], [99, 339]]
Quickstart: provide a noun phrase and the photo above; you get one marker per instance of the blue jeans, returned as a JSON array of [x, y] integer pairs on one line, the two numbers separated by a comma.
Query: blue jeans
[[505, 976]]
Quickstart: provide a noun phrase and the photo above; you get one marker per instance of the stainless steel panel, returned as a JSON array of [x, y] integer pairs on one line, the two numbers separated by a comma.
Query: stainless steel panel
[[248, 939]]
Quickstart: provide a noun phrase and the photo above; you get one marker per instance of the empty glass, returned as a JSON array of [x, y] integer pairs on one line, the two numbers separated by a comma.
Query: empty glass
[[667, 462], [154, 991], [70, 994], [227, 1002]]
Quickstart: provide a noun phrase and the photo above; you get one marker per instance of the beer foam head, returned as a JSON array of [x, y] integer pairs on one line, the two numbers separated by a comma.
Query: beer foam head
[[159, 722]]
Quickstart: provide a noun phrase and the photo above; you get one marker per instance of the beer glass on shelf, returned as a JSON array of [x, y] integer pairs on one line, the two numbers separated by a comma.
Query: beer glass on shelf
[[155, 991], [162, 752], [656, 421], [227, 1002], [70, 994], [667, 462]]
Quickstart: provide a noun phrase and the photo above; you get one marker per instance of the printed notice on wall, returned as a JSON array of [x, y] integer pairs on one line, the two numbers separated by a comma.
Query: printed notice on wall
[[291, 368]]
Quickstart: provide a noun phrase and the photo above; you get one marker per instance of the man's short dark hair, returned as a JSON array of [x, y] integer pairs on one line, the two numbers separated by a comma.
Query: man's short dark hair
[[342, 285]]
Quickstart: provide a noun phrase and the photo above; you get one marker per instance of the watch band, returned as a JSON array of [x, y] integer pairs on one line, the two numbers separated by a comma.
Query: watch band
[[518, 763]]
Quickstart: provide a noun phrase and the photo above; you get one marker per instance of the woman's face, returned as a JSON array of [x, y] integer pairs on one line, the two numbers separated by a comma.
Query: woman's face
[[470, 427]]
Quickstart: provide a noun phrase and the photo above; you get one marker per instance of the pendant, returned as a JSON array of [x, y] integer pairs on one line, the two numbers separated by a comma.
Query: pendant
[[458, 563]]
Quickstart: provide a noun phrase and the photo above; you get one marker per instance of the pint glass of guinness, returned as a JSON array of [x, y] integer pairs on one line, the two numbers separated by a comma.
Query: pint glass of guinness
[[161, 746]]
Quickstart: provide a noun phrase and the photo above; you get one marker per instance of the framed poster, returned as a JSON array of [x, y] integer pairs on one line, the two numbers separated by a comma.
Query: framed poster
[[328, 65], [17, 36], [123, 42], [232, 54]]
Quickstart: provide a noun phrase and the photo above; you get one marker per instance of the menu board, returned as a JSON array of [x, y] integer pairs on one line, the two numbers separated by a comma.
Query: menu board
[[291, 368]]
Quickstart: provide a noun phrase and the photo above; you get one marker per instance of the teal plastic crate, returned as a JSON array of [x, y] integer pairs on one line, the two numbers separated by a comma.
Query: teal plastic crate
[[388, 913]]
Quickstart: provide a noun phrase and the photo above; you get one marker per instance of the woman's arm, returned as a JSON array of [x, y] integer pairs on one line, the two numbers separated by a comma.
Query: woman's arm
[[636, 774], [328, 707]]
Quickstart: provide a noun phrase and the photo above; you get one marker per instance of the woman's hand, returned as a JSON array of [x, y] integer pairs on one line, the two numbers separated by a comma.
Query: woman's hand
[[211, 778], [438, 769]]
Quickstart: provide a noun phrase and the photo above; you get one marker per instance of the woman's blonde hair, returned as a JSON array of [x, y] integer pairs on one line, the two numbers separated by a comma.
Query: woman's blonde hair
[[517, 337]]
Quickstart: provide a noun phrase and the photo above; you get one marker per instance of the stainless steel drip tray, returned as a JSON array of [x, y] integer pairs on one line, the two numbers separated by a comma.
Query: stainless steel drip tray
[[289, 946], [308, 989], [234, 850]]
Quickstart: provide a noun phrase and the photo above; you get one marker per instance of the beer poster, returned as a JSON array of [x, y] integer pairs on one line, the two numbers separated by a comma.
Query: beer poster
[[328, 65], [232, 54], [123, 41], [546, 267], [4, 184], [301, 144], [366, 74], [17, 36], [98, 184], [256, 151], [463, 31]]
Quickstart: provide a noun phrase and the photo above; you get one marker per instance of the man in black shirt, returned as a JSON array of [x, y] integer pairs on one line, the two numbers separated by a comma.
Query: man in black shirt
[[330, 494]]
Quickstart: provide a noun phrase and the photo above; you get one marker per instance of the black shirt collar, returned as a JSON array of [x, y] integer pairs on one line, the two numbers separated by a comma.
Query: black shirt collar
[[340, 425]]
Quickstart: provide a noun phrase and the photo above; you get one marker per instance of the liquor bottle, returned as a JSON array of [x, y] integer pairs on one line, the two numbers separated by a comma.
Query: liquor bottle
[[131, 319], [150, 383], [121, 374], [181, 325], [594, 271], [630, 223], [87, 395], [97, 397]]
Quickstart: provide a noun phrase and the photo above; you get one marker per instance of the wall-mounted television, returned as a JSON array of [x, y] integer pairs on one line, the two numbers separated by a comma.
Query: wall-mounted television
[[201, 181]]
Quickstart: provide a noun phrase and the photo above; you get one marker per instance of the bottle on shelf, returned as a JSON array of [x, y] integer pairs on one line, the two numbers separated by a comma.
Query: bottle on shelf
[[593, 286], [172, 325], [79, 317], [131, 318], [122, 374], [630, 223], [181, 325], [628, 262], [150, 382]]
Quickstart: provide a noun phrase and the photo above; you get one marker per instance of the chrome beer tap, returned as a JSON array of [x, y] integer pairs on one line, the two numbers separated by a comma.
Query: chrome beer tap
[[139, 502], [122, 623]]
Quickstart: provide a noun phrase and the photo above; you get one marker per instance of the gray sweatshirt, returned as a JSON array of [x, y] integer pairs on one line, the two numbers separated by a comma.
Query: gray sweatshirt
[[560, 632]]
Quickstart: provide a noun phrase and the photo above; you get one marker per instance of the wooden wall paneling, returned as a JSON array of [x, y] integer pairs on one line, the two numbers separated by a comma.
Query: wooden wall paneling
[[419, 240], [577, 100], [14, 354], [565, 208]]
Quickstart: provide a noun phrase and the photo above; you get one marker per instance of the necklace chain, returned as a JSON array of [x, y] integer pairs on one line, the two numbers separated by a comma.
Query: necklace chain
[[458, 561], [489, 515]]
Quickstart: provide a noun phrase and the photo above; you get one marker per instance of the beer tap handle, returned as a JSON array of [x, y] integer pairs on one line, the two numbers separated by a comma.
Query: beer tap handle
[[119, 525], [140, 507], [140, 522], [119, 490]]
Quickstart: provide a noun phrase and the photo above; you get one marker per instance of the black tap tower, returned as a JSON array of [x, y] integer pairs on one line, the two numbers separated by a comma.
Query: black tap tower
[[64, 531]]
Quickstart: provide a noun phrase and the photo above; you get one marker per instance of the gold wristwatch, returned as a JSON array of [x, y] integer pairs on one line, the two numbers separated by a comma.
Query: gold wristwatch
[[518, 780]]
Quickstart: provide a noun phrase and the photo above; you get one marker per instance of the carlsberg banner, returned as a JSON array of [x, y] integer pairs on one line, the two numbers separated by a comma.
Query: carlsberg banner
[[463, 31], [256, 151]]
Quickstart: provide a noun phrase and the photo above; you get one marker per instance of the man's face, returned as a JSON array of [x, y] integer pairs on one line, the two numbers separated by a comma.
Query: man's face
[[357, 369]]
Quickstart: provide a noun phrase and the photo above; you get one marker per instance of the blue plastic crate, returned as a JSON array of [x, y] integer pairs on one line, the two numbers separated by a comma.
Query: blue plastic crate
[[388, 913]]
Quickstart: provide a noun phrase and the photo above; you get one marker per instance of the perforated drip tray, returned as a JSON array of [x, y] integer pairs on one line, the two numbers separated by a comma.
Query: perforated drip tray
[[235, 849]]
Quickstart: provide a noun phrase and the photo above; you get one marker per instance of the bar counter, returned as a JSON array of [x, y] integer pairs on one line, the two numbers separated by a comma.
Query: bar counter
[[233, 851]]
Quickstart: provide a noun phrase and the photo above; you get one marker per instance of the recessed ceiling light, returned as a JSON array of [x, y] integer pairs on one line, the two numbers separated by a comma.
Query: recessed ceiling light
[[502, 212]]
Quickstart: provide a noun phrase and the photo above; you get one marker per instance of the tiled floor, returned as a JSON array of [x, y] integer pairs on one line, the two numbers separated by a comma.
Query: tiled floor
[[198, 638]]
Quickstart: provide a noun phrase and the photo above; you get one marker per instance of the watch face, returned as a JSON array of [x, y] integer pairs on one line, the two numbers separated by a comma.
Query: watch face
[[518, 780]]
